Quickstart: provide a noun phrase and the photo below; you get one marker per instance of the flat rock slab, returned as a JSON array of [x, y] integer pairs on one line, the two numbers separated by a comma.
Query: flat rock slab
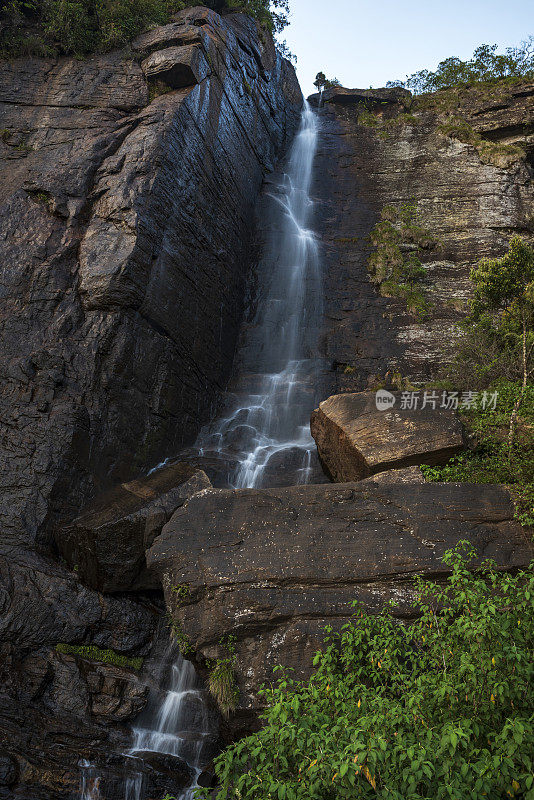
[[273, 567], [107, 542], [355, 439]]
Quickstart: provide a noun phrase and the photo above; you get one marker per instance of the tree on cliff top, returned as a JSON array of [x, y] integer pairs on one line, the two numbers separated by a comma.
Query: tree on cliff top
[[81, 27], [440, 707], [322, 82], [485, 65]]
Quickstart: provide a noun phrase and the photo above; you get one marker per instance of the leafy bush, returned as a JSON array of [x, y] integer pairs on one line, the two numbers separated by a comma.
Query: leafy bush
[[395, 264], [438, 708], [221, 681], [81, 27], [95, 654], [485, 65]]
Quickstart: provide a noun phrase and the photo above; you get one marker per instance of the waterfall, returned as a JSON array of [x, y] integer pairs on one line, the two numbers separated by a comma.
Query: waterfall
[[176, 732], [264, 432], [181, 726], [266, 428]]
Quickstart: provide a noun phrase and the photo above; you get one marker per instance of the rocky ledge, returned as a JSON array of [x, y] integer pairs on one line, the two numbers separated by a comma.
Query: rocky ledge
[[273, 567]]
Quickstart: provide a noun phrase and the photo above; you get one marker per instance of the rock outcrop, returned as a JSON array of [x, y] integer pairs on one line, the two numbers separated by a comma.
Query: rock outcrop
[[383, 148], [107, 542], [127, 189], [355, 439], [273, 567], [127, 211]]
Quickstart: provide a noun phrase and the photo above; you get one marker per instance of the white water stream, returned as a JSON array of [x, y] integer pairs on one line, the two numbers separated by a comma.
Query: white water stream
[[268, 425], [266, 428]]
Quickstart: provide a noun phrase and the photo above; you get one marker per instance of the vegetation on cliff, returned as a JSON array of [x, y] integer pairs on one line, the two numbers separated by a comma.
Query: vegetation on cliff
[[486, 65], [437, 708], [395, 264], [82, 27], [495, 354]]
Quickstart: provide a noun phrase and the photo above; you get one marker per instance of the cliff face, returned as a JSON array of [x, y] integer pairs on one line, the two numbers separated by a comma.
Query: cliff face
[[128, 185], [127, 188], [383, 148]]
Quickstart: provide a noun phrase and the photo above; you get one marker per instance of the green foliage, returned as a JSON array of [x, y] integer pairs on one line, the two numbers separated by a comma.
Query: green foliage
[[490, 460], [437, 708], [95, 654], [500, 155], [395, 264], [181, 591], [321, 82], [81, 27], [181, 638], [221, 681], [485, 65]]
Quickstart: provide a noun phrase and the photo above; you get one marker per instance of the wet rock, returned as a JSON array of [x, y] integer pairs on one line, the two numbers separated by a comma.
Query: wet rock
[[343, 96], [126, 223], [8, 769], [168, 772], [107, 542], [273, 567], [177, 66], [356, 439], [208, 777]]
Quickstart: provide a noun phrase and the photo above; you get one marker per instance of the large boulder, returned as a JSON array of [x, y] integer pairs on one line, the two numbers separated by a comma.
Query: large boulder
[[272, 567], [356, 439], [106, 544]]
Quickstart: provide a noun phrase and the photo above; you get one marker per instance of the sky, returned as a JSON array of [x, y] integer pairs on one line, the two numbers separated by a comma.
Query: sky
[[368, 43]]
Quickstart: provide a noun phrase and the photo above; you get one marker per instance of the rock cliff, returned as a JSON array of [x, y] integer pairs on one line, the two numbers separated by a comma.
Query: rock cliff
[[127, 187], [384, 148], [272, 567]]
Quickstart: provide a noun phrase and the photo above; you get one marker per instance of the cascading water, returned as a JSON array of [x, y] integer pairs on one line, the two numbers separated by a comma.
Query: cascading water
[[180, 728], [267, 425], [265, 429]]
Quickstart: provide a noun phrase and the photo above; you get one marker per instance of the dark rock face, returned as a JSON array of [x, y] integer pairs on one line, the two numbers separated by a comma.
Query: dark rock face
[[355, 439], [107, 542], [127, 188], [471, 208], [342, 96], [274, 566], [54, 708], [127, 208]]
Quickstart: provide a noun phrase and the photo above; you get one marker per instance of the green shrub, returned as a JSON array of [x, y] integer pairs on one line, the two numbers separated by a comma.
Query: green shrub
[[395, 264], [441, 707], [95, 654], [81, 27], [485, 65], [490, 459], [221, 681]]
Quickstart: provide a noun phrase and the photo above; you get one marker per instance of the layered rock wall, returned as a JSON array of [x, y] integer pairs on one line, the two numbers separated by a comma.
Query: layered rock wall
[[381, 148], [127, 188], [127, 191]]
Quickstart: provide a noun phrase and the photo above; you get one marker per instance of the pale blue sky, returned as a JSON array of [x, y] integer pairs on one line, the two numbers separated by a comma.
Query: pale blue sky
[[368, 43]]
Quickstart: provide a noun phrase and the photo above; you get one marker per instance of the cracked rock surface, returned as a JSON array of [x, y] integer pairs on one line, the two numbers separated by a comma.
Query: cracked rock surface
[[274, 566]]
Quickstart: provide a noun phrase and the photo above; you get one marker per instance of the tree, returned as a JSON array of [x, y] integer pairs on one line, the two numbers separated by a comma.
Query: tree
[[504, 297], [439, 707], [322, 82], [484, 65]]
